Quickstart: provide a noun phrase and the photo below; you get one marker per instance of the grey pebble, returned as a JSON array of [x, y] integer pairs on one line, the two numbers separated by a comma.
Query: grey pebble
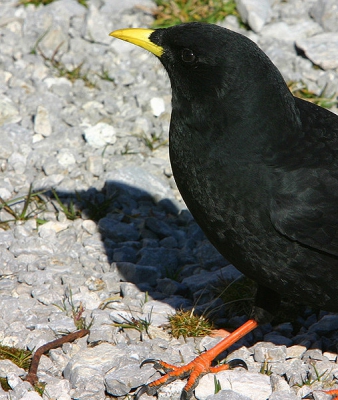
[[320, 49], [256, 13]]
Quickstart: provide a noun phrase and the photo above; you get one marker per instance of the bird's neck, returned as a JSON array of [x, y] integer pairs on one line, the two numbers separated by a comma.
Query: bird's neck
[[244, 121]]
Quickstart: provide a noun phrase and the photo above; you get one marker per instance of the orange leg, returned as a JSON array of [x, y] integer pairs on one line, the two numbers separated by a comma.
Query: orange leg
[[333, 393], [200, 366]]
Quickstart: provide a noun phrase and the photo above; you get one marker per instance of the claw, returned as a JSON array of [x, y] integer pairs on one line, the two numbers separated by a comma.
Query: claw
[[159, 365], [236, 363], [149, 361], [152, 389], [185, 395], [140, 392], [145, 389]]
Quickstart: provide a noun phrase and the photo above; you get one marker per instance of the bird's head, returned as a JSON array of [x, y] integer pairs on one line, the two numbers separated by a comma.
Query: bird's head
[[221, 78], [201, 59]]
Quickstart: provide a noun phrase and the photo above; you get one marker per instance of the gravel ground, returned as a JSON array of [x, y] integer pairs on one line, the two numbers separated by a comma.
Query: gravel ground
[[84, 124]]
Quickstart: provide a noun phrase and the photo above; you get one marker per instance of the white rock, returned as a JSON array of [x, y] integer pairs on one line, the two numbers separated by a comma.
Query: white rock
[[325, 12], [65, 158], [158, 312], [100, 135], [254, 385], [7, 366], [55, 38], [42, 123], [49, 181], [5, 76], [97, 26], [94, 165], [295, 351], [157, 106], [281, 30], [5, 194], [89, 226], [8, 111], [57, 81], [101, 358], [321, 49], [254, 12], [171, 391], [37, 138], [89, 299], [59, 390], [137, 181], [52, 226]]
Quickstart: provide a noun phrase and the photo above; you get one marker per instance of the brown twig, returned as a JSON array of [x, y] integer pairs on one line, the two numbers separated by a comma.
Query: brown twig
[[32, 373]]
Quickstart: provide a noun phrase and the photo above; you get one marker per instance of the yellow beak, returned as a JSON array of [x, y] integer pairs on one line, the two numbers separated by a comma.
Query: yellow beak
[[140, 37]]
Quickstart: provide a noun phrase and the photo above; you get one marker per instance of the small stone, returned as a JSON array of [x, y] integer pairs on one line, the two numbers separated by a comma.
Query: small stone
[[8, 111], [58, 389], [227, 395], [279, 384], [138, 182], [31, 396], [157, 106], [117, 231], [94, 165], [325, 12], [254, 12], [321, 395], [138, 273], [121, 381], [65, 158], [42, 125], [171, 391], [90, 226], [253, 385], [100, 135], [269, 352], [296, 372], [330, 356], [295, 351], [54, 39], [281, 29], [52, 226], [95, 284], [325, 325], [7, 366], [283, 395], [321, 49]]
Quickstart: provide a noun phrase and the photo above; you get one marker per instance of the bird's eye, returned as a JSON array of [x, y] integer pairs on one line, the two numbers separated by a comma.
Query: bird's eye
[[188, 56]]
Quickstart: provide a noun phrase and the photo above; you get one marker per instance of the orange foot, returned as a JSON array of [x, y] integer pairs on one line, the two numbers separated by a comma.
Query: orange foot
[[200, 366]]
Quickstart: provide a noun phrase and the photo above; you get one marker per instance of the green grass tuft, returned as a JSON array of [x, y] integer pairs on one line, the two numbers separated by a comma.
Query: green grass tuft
[[186, 324], [175, 12]]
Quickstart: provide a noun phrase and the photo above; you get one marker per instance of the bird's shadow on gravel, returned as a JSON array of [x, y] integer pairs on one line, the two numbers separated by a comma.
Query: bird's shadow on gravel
[[152, 244], [161, 250]]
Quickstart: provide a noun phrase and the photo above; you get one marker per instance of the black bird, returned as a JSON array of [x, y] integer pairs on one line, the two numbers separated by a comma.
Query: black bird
[[257, 168]]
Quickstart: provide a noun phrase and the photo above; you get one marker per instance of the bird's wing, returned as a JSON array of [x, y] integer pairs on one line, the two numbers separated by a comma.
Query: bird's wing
[[304, 204]]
